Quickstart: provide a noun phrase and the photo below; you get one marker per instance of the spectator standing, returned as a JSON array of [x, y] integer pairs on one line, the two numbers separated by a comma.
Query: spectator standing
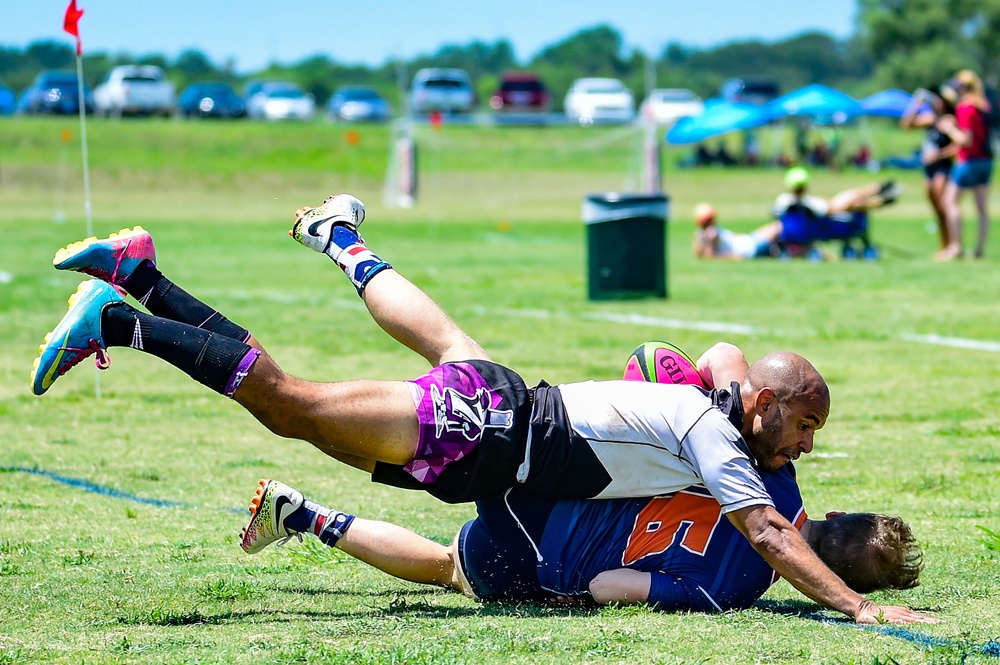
[[974, 162], [935, 111]]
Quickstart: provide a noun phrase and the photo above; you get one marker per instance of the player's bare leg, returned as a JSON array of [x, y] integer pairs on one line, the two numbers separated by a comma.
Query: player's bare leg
[[280, 512], [416, 321], [358, 422], [401, 309]]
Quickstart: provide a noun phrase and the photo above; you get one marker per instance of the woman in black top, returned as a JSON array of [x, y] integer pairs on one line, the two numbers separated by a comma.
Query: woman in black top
[[934, 111]]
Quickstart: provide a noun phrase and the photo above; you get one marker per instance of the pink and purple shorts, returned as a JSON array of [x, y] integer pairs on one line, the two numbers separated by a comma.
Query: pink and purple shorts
[[473, 418]]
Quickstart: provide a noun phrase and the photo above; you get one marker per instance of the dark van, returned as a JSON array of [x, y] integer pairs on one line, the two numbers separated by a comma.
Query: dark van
[[749, 91]]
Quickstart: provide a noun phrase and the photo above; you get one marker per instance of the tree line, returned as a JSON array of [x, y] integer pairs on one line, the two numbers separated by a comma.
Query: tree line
[[897, 43]]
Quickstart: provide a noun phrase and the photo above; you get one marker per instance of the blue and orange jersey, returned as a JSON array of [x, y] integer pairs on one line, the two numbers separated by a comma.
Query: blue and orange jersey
[[697, 558]]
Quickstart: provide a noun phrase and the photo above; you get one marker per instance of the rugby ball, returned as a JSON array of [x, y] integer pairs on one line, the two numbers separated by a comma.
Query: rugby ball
[[662, 362]]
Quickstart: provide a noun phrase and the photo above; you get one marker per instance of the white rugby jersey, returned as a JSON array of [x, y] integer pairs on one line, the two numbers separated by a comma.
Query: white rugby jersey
[[656, 439]]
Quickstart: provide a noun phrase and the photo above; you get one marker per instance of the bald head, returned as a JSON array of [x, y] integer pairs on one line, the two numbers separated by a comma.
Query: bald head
[[785, 401], [788, 375]]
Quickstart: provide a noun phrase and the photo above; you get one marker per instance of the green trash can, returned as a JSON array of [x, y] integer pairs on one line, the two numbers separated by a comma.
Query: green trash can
[[626, 245]]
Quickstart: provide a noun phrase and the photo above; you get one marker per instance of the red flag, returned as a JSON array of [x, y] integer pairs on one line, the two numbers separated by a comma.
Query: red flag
[[70, 24]]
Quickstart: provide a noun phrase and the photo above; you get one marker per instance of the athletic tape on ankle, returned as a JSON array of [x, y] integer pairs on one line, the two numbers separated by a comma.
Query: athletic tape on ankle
[[241, 372], [376, 269], [335, 528]]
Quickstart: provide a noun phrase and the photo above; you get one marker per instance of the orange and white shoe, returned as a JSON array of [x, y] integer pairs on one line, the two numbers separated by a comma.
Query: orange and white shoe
[[271, 504]]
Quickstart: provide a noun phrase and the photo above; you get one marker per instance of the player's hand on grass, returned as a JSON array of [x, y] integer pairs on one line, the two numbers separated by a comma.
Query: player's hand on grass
[[872, 613]]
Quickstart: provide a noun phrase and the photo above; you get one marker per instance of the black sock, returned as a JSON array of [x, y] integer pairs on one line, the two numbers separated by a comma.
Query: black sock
[[213, 359], [164, 298]]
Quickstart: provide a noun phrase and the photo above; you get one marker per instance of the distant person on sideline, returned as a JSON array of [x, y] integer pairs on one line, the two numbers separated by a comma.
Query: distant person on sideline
[[469, 429], [973, 164], [712, 241], [935, 113], [840, 205]]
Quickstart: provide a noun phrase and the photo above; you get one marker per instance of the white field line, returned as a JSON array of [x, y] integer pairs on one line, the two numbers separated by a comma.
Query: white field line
[[956, 342], [631, 319]]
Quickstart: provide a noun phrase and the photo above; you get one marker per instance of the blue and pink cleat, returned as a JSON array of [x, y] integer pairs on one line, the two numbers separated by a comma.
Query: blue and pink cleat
[[76, 337], [111, 259]]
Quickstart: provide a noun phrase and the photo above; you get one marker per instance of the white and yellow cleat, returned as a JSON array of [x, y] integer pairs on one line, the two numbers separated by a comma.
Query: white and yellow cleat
[[271, 504], [314, 226]]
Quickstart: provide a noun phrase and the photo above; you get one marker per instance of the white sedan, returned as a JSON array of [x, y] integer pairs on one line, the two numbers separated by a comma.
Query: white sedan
[[591, 100], [665, 106], [281, 101]]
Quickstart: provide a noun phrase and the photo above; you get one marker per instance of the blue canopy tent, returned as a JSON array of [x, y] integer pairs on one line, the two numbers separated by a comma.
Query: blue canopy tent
[[818, 104], [720, 118], [816, 101], [891, 103]]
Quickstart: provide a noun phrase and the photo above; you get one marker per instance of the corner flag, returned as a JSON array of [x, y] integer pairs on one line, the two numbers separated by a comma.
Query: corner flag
[[70, 24]]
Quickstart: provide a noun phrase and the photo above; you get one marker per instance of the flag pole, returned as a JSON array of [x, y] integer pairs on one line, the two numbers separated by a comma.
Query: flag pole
[[83, 139], [71, 24], [87, 208]]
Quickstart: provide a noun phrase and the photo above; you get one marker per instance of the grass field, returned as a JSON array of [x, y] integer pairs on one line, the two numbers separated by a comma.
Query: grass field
[[496, 238]]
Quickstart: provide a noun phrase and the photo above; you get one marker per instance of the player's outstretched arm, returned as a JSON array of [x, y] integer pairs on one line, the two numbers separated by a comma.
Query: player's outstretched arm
[[787, 552], [623, 586]]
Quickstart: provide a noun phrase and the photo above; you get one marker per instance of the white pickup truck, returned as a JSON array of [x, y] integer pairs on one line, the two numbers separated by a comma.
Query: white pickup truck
[[135, 90]]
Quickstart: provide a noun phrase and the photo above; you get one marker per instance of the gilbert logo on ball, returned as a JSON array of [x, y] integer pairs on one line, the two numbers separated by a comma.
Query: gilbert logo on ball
[[662, 362]]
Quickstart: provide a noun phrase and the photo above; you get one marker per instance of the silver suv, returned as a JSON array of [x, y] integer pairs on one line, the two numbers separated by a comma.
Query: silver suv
[[442, 90]]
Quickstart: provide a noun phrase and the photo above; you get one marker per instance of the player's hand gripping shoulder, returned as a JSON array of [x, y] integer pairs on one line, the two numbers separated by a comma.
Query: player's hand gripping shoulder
[[722, 364]]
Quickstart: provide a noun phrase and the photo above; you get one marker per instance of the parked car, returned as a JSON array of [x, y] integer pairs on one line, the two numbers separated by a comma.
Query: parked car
[[443, 90], [7, 99], [135, 90], [54, 91], [750, 91], [278, 100], [665, 106], [358, 104], [521, 92], [595, 100], [210, 100]]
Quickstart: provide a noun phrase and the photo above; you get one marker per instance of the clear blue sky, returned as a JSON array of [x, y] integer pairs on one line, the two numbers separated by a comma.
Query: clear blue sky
[[256, 32]]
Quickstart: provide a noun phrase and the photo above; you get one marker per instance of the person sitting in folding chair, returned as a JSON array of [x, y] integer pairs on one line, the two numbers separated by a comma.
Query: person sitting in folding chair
[[807, 219]]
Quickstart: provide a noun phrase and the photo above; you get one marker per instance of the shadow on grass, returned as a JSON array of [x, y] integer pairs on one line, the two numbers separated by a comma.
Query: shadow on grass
[[799, 608], [399, 606]]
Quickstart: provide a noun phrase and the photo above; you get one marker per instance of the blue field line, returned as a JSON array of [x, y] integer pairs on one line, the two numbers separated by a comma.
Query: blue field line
[[103, 490], [991, 648]]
